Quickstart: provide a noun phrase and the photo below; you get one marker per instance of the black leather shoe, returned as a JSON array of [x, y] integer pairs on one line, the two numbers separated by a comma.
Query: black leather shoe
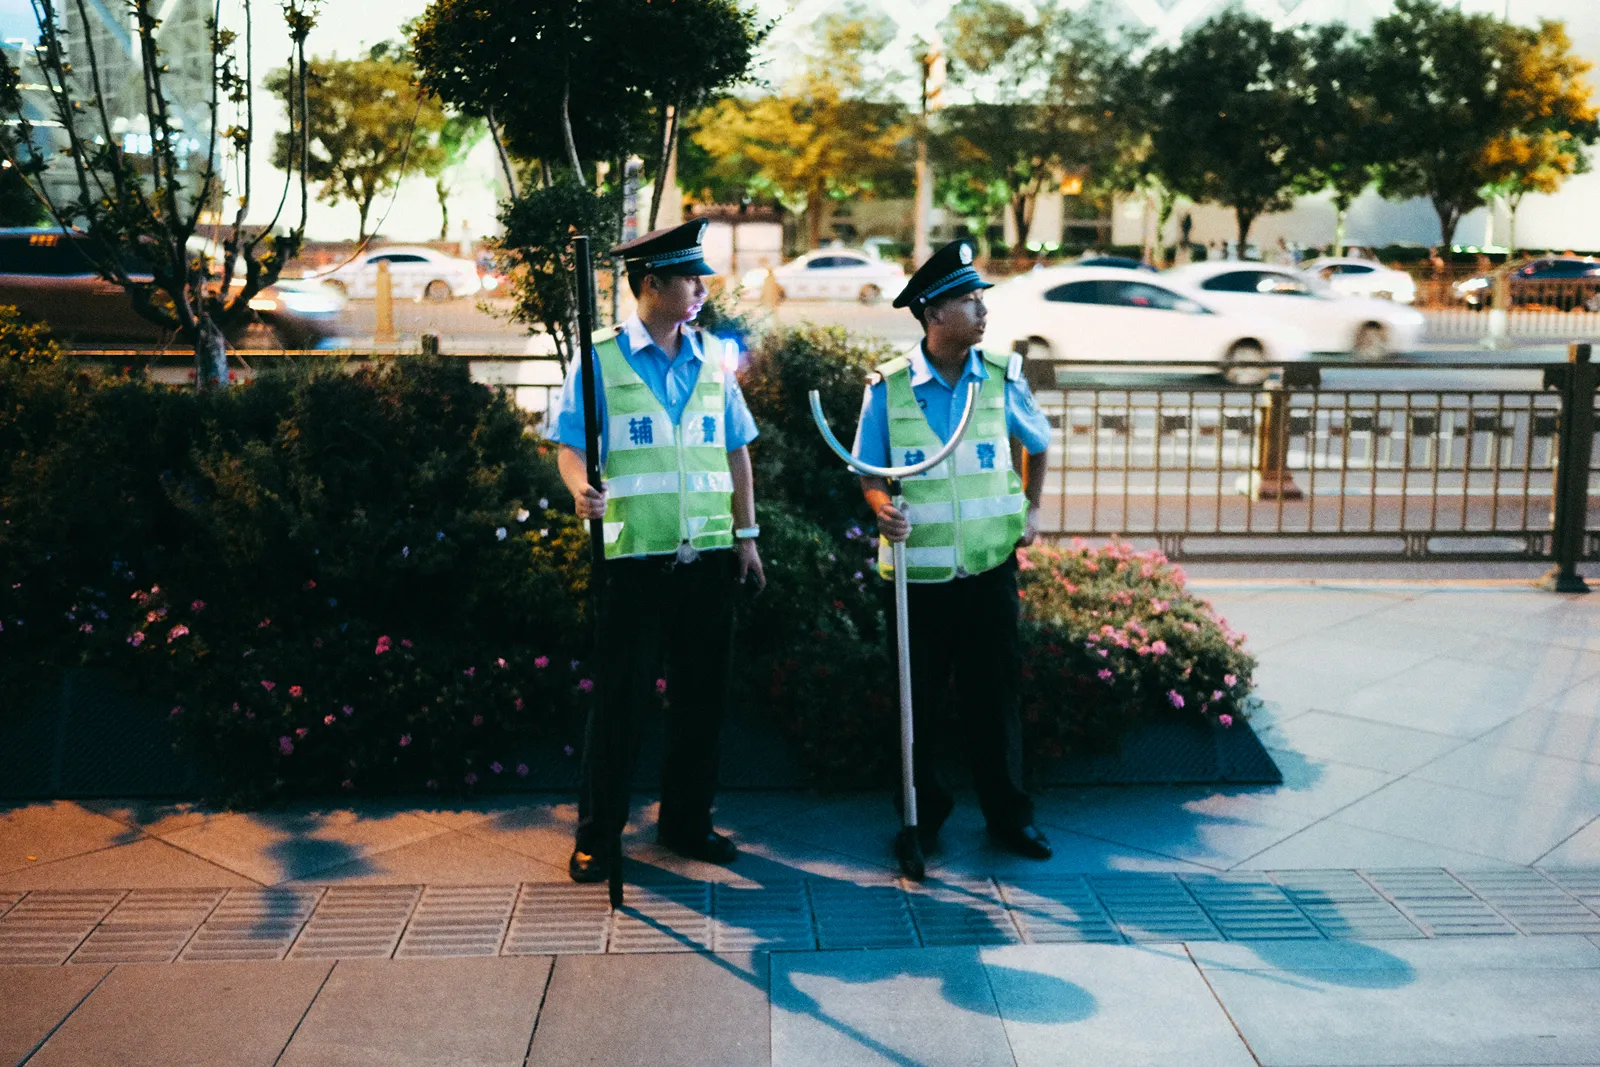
[[1026, 841], [587, 867], [710, 847], [931, 816]]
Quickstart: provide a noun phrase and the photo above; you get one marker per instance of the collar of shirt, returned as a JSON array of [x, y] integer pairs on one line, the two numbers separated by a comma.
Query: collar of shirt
[[923, 372], [640, 341]]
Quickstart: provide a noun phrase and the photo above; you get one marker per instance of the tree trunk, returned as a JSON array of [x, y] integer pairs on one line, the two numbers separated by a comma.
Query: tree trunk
[[363, 206], [669, 141], [442, 191], [814, 202], [505, 159], [1246, 219], [1341, 214], [1019, 219], [1513, 202], [566, 131], [1449, 218], [210, 355]]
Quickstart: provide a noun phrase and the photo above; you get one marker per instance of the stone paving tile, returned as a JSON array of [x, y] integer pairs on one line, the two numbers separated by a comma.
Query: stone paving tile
[[458, 920], [1518, 831], [1437, 903], [6, 901], [1322, 735], [766, 918], [664, 917], [148, 926], [48, 924], [36, 999], [51, 830], [1249, 907], [356, 922], [552, 918], [1531, 902], [147, 863], [297, 842], [861, 916], [1057, 909], [1153, 907], [253, 924], [1582, 883], [951, 911], [1342, 904]]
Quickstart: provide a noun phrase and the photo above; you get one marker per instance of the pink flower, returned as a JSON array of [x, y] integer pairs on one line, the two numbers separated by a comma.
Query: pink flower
[[661, 685], [347, 784], [471, 778], [136, 638], [348, 710], [1225, 719], [316, 642], [263, 624], [517, 703], [405, 739], [88, 628], [1158, 647], [470, 671], [177, 710], [585, 685], [295, 691], [522, 770], [500, 661], [496, 767], [327, 720], [176, 632], [1158, 606], [154, 589], [301, 731], [477, 720], [1105, 652], [197, 606], [382, 646], [138, 594], [1230, 680], [311, 583], [268, 686], [285, 746], [405, 642], [1104, 674], [541, 662], [1175, 698]]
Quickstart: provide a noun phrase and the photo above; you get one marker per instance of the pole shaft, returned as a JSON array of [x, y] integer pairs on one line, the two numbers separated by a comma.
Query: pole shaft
[[1574, 446], [902, 629]]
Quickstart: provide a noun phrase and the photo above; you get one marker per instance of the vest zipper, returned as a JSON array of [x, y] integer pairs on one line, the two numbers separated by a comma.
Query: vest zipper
[[683, 480]]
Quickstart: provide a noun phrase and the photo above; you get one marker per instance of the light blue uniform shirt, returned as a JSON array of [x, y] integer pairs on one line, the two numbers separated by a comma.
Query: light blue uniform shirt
[[671, 382], [1024, 420]]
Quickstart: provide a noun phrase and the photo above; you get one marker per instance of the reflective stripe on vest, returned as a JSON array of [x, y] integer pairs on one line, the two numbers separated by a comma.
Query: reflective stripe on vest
[[666, 484], [966, 513]]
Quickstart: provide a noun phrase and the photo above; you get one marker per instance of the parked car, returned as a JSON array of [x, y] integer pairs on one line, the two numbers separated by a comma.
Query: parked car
[[415, 273], [1110, 313], [832, 274], [1114, 261], [1363, 277], [46, 274], [1331, 322], [1561, 282]]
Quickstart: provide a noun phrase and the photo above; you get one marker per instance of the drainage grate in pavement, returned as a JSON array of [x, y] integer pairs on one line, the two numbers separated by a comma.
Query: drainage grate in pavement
[[459, 920], [1585, 885], [1344, 905], [1530, 902], [253, 924], [7, 900], [356, 922], [558, 918], [1056, 909], [768, 917], [960, 911], [48, 924], [861, 916], [148, 926], [1437, 903], [663, 917], [1249, 907], [1153, 907]]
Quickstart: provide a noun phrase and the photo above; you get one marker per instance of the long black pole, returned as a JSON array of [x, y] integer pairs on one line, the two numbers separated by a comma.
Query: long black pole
[[584, 270]]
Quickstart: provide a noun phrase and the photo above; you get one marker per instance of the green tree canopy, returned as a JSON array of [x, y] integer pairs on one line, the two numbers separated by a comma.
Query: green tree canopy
[[1341, 139]]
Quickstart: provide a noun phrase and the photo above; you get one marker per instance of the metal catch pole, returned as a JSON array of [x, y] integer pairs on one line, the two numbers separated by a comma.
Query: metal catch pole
[[1574, 446]]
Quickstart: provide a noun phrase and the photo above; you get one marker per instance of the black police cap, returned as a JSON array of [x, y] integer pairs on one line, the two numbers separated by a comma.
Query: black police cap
[[674, 250], [948, 272]]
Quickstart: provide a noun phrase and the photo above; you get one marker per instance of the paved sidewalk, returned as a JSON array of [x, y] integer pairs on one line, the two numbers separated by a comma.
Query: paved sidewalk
[[1423, 889]]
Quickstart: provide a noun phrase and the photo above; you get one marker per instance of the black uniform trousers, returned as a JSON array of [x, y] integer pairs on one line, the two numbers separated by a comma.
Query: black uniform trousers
[[964, 632], [651, 610]]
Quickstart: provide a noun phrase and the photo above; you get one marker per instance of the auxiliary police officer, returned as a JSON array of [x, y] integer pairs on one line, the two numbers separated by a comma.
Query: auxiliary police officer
[[962, 522], [678, 507]]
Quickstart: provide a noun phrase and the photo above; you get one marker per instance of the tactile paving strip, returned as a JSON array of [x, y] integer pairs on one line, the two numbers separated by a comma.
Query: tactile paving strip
[[465, 920], [776, 916], [558, 918], [1153, 907], [861, 916], [357, 922], [1058, 909], [1437, 903], [7, 900], [666, 917], [951, 911], [47, 925], [148, 926], [1343, 905], [253, 924], [1582, 884], [1531, 902], [1249, 907]]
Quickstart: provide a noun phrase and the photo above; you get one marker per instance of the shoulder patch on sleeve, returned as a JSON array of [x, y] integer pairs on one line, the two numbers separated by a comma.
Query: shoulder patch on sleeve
[[873, 379], [1014, 368]]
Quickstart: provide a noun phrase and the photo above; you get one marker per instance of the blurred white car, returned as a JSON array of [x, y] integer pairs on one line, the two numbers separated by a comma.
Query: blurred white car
[[1363, 277], [415, 273], [1362, 325], [831, 274], [1112, 313]]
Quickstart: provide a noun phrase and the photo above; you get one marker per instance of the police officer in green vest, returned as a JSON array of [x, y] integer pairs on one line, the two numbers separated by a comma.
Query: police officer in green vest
[[962, 523], [680, 536]]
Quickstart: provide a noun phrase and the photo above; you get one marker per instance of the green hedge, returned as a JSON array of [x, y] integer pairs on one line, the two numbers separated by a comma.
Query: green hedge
[[371, 581]]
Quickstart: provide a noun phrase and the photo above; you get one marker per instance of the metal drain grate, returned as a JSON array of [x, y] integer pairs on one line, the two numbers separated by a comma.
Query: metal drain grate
[[47, 925], [148, 926], [554, 918], [1437, 903], [253, 924], [357, 922], [766, 918], [1343, 905], [1153, 907], [459, 921], [669, 917], [1249, 907], [1582, 884], [1058, 909], [861, 916], [960, 911], [1531, 903], [7, 900]]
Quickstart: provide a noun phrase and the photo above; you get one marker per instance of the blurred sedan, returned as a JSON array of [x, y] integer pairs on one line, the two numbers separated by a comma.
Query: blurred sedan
[[1349, 276], [415, 273], [1331, 322], [1109, 313], [1563, 282], [831, 274]]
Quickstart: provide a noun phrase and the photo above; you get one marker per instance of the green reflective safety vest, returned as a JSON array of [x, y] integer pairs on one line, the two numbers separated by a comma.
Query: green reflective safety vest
[[666, 484], [968, 512]]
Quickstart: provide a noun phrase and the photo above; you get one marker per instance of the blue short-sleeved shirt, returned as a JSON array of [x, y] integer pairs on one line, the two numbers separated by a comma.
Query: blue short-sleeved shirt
[[671, 381], [1024, 420]]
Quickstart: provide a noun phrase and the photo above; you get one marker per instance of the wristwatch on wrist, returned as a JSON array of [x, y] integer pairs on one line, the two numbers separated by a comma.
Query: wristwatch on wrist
[[747, 533]]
